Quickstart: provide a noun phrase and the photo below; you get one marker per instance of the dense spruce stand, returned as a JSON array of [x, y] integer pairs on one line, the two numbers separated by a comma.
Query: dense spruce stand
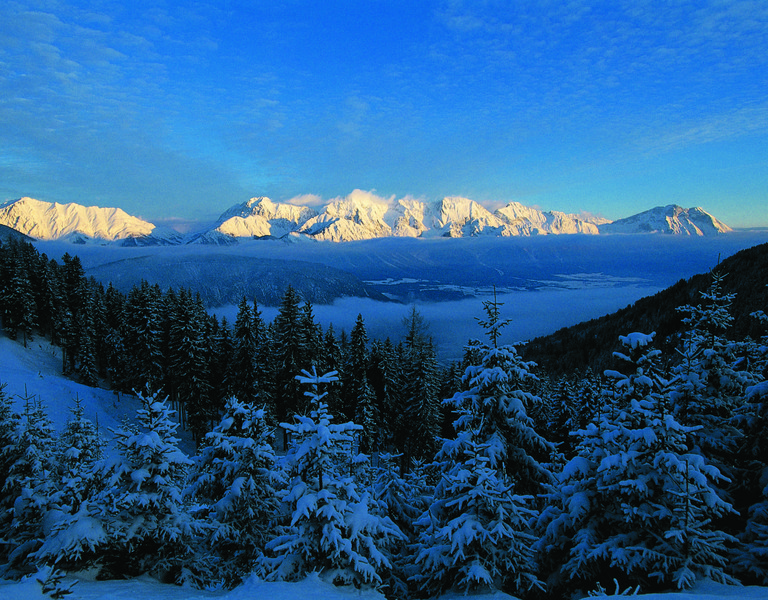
[[372, 464]]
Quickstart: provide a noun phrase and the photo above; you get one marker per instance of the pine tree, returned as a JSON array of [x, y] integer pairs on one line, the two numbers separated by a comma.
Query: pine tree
[[357, 396], [563, 424], [288, 353], [419, 406], [708, 388], [32, 484], [634, 504], [136, 523], [752, 556], [476, 534], [87, 338], [495, 405], [10, 452], [220, 357], [234, 480], [189, 363], [17, 301], [143, 337], [241, 379], [333, 528], [382, 379], [80, 446]]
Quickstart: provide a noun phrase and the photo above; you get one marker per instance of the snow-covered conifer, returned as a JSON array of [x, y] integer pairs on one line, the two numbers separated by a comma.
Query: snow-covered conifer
[[495, 405], [9, 454], [137, 522], [476, 534], [403, 500], [32, 483], [234, 482], [80, 446], [333, 527], [707, 387], [752, 556], [634, 504]]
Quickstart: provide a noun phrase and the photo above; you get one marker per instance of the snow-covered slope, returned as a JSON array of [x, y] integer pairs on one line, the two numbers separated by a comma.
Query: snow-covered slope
[[53, 221], [523, 220], [671, 219], [260, 217], [363, 215], [360, 215]]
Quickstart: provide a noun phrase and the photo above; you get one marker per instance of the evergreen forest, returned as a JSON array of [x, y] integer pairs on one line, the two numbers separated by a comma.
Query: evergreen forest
[[372, 464]]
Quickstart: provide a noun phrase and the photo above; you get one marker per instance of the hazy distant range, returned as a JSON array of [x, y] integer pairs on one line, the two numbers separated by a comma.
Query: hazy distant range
[[545, 282]]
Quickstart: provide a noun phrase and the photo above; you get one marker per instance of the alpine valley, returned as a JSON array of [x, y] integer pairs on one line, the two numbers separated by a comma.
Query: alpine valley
[[446, 257]]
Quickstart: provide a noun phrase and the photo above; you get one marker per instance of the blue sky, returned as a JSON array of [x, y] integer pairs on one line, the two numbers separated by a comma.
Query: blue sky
[[182, 109]]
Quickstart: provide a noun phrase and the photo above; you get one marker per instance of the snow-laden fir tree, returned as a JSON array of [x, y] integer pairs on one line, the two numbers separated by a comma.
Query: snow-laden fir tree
[[137, 523], [234, 481], [357, 396], [333, 527], [403, 500], [79, 449], [635, 504], [476, 534], [494, 404], [32, 484], [80, 446], [707, 387], [752, 555], [563, 421], [9, 454], [189, 361]]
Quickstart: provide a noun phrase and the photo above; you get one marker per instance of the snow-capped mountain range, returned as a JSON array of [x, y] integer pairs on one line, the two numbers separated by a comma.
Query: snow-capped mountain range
[[359, 216]]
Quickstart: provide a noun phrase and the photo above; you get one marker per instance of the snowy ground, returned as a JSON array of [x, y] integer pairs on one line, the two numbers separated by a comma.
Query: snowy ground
[[310, 589]]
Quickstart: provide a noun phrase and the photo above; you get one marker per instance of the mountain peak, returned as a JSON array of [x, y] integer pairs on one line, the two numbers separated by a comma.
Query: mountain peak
[[360, 215], [670, 219], [51, 220]]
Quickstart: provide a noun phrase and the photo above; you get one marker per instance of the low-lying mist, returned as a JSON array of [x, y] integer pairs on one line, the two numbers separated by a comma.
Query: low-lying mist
[[451, 324]]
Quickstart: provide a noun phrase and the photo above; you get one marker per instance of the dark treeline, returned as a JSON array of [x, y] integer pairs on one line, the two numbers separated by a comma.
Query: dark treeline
[[150, 340], [589, 344], [488, 475]]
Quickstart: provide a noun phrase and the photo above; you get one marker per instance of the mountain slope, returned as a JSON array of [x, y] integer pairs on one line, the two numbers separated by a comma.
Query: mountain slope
[[363, 215], [591, 344], [52, 221], [359, 216], [668, 219]]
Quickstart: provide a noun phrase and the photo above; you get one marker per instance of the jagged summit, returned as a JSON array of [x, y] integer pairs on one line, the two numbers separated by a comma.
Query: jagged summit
[[362, 215], [359, 216], [672, 219], [53, 221]]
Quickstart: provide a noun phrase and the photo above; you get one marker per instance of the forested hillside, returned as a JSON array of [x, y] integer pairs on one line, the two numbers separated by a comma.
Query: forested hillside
[[590, 344], [367, 462]]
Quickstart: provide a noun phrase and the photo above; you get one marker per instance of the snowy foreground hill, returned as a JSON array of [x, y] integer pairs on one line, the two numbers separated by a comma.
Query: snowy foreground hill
[[309, 589], [358, 216], [34, 372]]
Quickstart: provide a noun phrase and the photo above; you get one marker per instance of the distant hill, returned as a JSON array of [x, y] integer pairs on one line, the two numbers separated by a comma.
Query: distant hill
[[358, 216], [222, 280], [8, 233], [591, 344]]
